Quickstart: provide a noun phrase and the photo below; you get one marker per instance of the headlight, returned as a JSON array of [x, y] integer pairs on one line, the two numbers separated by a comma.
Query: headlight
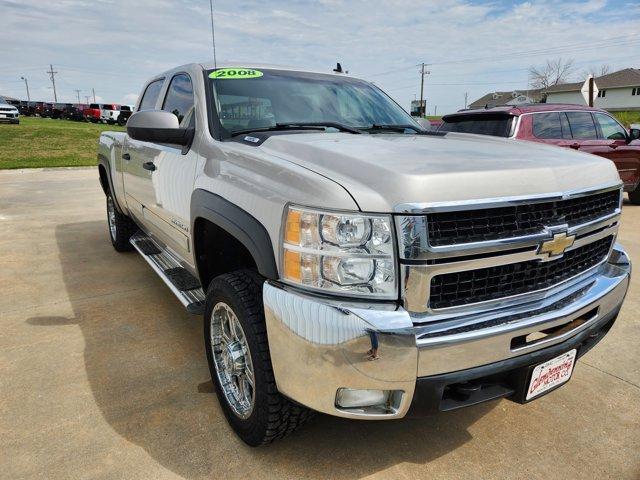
[[346, 253]]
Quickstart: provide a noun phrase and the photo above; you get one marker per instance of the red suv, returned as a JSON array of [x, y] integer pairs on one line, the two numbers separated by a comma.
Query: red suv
[[585, 129]]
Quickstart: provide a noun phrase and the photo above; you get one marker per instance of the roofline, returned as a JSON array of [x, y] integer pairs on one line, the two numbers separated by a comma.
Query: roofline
[[632, 85]]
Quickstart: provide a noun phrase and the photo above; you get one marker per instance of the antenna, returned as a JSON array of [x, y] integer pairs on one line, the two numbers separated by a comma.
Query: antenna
[[213, 36]]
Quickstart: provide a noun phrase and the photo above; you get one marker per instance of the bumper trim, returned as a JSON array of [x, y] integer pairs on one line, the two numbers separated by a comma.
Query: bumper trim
[[507, 378], [319, 345], [489, 338]]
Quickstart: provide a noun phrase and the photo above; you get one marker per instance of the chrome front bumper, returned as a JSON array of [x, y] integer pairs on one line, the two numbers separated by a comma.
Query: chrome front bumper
[[319, 345]]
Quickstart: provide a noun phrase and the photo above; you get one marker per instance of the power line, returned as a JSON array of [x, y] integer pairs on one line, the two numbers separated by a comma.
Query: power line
[[605, 43]]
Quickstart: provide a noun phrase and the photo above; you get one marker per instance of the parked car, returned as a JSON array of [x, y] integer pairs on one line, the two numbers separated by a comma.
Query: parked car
[[76, 112], [125, 113], [37, 108], [47, 110], [109, 113], [578, 127], [61, 110], [8, 113], [349, 262], [92, 114], [23, 108]]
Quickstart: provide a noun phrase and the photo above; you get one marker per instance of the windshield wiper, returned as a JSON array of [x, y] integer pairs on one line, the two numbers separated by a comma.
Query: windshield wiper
[[299, 126], [391, 128]]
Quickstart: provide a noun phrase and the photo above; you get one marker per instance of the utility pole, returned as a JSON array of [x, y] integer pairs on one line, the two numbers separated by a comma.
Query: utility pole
[[53, 81], [466, 96], [591, 90], [78, 93], [86, 98], [213, 36], [94, 94], [26, 84], [423, 72]]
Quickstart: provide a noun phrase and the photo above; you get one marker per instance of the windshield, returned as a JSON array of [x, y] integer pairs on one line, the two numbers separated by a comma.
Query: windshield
[[2, 100], [271, 97], [481, 124]]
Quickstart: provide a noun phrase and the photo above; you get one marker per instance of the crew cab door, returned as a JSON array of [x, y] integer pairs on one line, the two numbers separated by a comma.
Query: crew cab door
[[162, 175], [625, 155]]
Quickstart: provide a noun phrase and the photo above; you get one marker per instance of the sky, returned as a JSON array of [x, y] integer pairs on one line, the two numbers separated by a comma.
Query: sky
[[472, 47]]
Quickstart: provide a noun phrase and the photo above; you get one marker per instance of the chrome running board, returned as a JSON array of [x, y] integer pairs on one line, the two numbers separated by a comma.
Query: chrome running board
[[183, 285]]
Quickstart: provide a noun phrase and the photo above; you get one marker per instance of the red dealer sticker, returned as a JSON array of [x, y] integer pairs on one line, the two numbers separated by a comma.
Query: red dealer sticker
[[551, 373]]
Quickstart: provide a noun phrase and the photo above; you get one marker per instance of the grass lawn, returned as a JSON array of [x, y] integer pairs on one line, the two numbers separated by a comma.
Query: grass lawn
[[43, 142], [627, 118]]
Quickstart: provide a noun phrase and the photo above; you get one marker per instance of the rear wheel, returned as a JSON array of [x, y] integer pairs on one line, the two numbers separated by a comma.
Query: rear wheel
[[238, 354], [634, 197], [121, 227]]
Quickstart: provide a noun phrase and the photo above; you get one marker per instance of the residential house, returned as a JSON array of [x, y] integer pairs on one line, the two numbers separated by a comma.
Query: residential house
[[618, 91], [514, 97]]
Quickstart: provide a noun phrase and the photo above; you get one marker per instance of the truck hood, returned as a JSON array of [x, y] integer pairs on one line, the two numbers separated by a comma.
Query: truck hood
[[384, 171]]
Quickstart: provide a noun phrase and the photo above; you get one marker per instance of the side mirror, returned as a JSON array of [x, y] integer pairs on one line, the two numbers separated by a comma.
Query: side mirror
[[634, 133], [158, 126]]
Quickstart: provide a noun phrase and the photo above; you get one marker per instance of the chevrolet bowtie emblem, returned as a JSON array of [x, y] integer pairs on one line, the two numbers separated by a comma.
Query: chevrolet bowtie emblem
[[557, 245]]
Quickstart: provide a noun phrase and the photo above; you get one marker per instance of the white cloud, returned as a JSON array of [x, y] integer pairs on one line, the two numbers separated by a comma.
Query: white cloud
[[130, 99], [115, 46]]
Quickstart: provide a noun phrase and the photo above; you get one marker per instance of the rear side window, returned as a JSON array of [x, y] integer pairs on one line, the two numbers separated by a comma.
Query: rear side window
[[151, 94], [179, 99], [547, 125], [482, 124], [582, 125], [609, 128]]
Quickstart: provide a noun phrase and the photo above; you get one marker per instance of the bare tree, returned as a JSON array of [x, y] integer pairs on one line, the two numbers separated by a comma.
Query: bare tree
[[554, 72], [597, 71]]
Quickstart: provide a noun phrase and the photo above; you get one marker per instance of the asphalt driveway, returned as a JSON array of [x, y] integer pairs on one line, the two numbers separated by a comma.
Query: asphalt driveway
[[103, 375]]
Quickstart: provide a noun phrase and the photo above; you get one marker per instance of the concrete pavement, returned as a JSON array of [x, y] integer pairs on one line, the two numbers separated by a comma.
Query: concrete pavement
[[103, 375]]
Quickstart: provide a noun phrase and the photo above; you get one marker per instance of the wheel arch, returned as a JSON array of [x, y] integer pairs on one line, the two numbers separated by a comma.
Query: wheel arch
[[104, 171], [230, 228]]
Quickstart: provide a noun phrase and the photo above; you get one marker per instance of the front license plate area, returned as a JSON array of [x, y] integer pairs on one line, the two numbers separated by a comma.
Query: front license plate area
[[551, 374]]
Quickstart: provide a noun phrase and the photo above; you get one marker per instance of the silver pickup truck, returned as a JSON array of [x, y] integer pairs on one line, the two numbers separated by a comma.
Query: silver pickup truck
[[348, 262]]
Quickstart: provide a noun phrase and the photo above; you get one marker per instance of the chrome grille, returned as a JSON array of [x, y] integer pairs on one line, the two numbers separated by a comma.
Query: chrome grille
[[449, 228], [483, 284], [497, 253]]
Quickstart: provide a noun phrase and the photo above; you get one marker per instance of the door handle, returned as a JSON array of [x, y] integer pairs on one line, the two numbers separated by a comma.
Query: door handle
[[126, 156], [575, 146], [149, 166]]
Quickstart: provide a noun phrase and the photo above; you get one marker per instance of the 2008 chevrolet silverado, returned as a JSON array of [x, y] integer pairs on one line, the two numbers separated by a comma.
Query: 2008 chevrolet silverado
[[348, 262]]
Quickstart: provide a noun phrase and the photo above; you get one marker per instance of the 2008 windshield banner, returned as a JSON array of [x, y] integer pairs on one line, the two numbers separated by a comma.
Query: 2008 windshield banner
[[235, 73]]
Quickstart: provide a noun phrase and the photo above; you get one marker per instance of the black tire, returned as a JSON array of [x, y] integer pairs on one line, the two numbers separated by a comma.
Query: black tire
[[634, 197], [120, 227], [273, 416]]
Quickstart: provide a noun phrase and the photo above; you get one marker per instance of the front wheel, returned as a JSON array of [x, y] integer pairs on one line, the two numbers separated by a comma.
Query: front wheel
[[121, 227], [634, 197], [235, 338]]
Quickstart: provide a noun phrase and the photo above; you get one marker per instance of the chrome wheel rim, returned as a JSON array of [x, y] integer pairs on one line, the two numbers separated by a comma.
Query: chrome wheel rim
[[111, 217], [232, 360]]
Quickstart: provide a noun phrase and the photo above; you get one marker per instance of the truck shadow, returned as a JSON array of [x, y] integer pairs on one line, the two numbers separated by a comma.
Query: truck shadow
[[145, 364]]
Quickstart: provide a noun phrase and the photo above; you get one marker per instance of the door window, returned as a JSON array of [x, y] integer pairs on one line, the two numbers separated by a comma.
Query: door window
[[609, 128], [582, 125], [179, 99], [150, 96]]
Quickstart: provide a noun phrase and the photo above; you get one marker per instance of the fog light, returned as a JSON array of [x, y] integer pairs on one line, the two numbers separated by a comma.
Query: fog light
[[349, 398]]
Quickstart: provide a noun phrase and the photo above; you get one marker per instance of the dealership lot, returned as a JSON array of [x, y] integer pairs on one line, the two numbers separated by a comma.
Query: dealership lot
[[103, 374]]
